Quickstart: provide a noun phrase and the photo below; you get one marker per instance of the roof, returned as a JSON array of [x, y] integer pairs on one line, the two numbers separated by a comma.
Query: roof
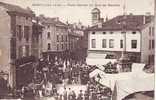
[[133, 22], [15, 8], [54, 21]]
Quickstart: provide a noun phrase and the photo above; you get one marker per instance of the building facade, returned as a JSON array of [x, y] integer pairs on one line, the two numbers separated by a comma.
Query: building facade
[[76, 34], [37, 38], [15, 42], [148, 43], [54, 38], [106, 40]]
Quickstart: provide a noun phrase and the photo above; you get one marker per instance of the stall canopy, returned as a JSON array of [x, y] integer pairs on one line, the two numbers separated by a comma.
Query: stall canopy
[[95, 73], [126, 87], [123, 84]]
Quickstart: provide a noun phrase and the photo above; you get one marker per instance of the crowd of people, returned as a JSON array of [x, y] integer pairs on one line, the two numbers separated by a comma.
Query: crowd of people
[[94, 91], [48, 74]]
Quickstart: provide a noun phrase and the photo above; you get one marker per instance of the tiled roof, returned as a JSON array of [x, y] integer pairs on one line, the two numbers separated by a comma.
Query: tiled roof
[[15, 8], [53, 21], [133, 22]]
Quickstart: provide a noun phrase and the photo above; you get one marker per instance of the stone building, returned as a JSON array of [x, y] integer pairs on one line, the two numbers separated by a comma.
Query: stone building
[[54, 38], [37, 38], [15, 41], [76, 34], [106, 40]]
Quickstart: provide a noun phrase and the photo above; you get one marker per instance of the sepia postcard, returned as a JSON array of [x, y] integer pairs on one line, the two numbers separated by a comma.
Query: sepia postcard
[[77, 49]]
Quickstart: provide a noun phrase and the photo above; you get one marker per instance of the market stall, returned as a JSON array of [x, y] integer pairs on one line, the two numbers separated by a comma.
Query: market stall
[[124, 84]]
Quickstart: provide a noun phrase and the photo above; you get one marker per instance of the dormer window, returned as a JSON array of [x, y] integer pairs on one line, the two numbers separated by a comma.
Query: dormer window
[[93, 32], [134, 32]]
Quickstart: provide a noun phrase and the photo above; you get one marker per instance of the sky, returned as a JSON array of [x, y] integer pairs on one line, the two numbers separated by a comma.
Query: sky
[[80, 10]]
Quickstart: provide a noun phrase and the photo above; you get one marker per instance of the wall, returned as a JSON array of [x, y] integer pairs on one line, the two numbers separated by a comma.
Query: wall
[[21, 20], [5, 36], [54, 31], [117, 36], [145, 51]]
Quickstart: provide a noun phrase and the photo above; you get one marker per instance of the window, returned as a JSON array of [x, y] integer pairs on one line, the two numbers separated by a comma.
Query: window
[[93, 43], [104, 43], [48, 35], [152, 44], [111, 43], [62, 38], [149, 44], [62, 46], [150, 59], [66, 46], [57, 47], [149, 31], [20, 52], [57, 38], [27, 50], [123, 32], [48, 26], [134, 44], [49, 46], [66, 38], [19, 31], [121, 43], [26, 18], [133, 32], [26, 32], [93, 32], [153, 31], [23, 51], [111, 32], [104, 32]]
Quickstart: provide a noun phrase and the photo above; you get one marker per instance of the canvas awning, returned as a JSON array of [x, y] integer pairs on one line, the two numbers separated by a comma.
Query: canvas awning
[[95, 73], [124, 88], [123, 84]]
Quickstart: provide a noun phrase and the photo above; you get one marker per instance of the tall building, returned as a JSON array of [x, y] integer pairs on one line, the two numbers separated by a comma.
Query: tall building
[[106, 41], [15, 42], [37, 38], [54, 38], [75, 35], [148, 43]]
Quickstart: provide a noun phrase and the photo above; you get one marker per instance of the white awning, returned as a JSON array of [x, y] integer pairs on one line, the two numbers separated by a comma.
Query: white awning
[[124, 84], [95, 73], [124, 88]]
